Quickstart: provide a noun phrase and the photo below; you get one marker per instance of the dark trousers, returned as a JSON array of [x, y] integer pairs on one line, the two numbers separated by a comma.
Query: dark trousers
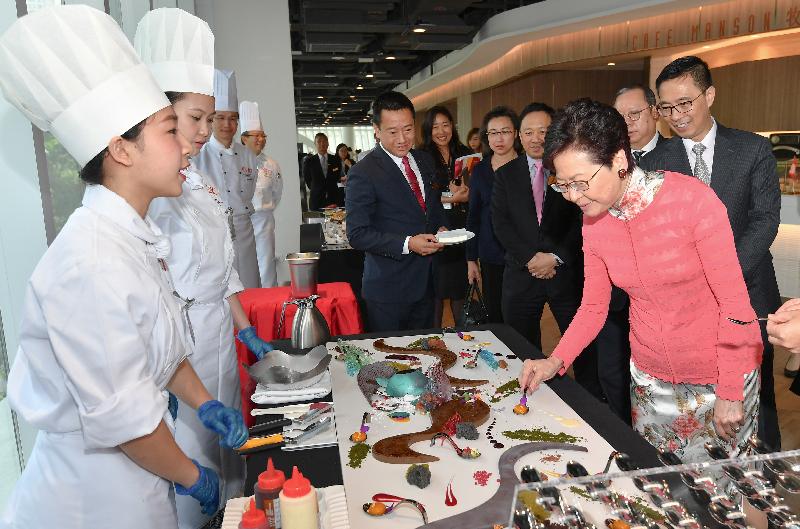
[[614, 356], [768, 429], [492, 282], [523, 304], [390, 317]]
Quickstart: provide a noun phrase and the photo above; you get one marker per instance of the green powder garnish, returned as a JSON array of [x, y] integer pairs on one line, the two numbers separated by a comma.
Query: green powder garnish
[[580, 492], [541, 435], [358, 453], [512, 386]]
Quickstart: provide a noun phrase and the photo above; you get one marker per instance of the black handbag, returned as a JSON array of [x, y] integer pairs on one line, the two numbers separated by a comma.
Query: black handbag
[[474, 311]]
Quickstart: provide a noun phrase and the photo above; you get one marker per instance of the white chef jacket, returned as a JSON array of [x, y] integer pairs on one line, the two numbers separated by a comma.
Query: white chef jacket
[[233, 171], [100, 339], [269, 188], [201, 264]]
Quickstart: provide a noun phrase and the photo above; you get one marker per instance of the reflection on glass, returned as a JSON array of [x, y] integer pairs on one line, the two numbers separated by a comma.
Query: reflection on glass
[[35, 5]]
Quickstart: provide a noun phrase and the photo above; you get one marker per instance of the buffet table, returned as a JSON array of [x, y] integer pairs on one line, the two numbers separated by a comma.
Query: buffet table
[[601, 430]]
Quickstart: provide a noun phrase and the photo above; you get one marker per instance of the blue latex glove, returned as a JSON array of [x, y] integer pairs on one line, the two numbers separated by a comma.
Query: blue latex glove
[[258, 346], [205, 490], [227, 422]]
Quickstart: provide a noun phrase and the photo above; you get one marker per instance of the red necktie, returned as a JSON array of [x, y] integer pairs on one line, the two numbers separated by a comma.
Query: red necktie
[[412, 181]]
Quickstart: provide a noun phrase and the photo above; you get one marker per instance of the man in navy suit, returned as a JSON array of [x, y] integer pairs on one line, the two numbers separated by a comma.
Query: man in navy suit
[[392, 215], [740, 167]]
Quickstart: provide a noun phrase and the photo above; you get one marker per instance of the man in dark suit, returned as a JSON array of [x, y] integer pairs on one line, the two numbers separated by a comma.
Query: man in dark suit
[[321, 172], [541, 233], [637, 105], [392, 215], [740, 168]]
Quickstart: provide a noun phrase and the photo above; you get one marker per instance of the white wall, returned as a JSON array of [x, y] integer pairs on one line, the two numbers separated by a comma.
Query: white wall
[[252, 39]]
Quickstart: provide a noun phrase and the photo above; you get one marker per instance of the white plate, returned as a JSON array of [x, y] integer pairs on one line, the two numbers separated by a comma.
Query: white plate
[[454, 236]]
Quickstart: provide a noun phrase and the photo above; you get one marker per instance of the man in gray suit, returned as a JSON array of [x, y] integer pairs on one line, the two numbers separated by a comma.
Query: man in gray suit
[[740, 168]]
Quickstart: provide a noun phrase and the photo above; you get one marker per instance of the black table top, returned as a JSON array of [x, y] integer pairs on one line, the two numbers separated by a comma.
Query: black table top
[[322, 465]]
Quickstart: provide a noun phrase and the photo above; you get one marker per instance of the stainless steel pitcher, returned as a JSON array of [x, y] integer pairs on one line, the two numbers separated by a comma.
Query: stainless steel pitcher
[[309, 328]]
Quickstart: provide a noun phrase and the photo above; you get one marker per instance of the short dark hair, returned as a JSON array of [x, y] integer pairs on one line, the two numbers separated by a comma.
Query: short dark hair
[[427, 133], [591, 127], [318, 134], [499, 112], [536, 107], [649, 96], [390, 101], [695, 67], [92, 172]]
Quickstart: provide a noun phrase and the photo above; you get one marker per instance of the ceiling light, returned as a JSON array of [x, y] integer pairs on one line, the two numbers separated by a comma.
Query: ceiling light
[[338, 108], [390, 57], [344, 102], [337, 58], [320, 97], [369, 76], [419, 30], [612, 64], [352, 97], [359, 87]]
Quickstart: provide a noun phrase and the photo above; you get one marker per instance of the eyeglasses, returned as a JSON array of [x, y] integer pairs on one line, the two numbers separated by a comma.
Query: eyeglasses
[[575, 185], [494, 134], [682, 108], [636, 114]]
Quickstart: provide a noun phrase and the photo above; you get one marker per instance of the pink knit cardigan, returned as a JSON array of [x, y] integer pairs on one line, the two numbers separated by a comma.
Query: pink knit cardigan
[[677, 261]]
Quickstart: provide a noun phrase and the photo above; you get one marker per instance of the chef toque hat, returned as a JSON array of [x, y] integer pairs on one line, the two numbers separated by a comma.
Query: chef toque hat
[[179, 50], [225, 98], [72, 71], [249, 118]]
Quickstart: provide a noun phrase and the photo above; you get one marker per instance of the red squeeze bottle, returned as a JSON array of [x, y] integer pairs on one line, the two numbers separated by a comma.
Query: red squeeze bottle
[[253, 518], [267, 491]]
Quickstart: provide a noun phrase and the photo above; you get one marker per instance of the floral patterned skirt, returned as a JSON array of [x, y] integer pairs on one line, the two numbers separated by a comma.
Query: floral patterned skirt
[[679, 417]]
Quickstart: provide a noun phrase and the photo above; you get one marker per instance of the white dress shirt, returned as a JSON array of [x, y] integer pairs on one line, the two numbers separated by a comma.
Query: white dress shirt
[[708, 155], [415, 169], [650, 144]]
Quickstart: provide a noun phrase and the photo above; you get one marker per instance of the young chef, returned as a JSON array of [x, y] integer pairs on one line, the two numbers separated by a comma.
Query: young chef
[[178, 48], [269, 188], [102, 338], [231, 167]]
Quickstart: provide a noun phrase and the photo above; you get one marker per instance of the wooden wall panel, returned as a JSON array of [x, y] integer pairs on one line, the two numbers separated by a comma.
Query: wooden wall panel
[[758, 95], [555, 88]]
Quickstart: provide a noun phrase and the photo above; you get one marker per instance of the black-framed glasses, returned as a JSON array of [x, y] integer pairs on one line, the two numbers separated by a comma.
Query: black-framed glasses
[[635, 114], [575, 185], [492, 134], [682, 107]]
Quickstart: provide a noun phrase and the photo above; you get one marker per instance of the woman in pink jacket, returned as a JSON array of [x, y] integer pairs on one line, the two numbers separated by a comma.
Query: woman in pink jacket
[[665, 239]]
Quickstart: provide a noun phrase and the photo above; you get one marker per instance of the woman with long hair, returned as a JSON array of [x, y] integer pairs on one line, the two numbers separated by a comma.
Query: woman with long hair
[[440, 140], [485, 256], [474, 140]]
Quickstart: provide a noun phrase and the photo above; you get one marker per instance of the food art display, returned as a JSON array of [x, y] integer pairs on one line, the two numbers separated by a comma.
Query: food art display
[[432, 428]]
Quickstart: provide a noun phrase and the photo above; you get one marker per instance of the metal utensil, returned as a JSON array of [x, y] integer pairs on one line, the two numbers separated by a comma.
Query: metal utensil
[[281, 371], [740, 322], [307, 432]]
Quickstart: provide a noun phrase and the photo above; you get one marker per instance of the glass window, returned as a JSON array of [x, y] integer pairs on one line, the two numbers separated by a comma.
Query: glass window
[[66, 187], [10, 451]]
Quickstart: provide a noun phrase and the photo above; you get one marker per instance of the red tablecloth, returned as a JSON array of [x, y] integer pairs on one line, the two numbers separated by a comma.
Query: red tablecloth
[[337, 303]]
